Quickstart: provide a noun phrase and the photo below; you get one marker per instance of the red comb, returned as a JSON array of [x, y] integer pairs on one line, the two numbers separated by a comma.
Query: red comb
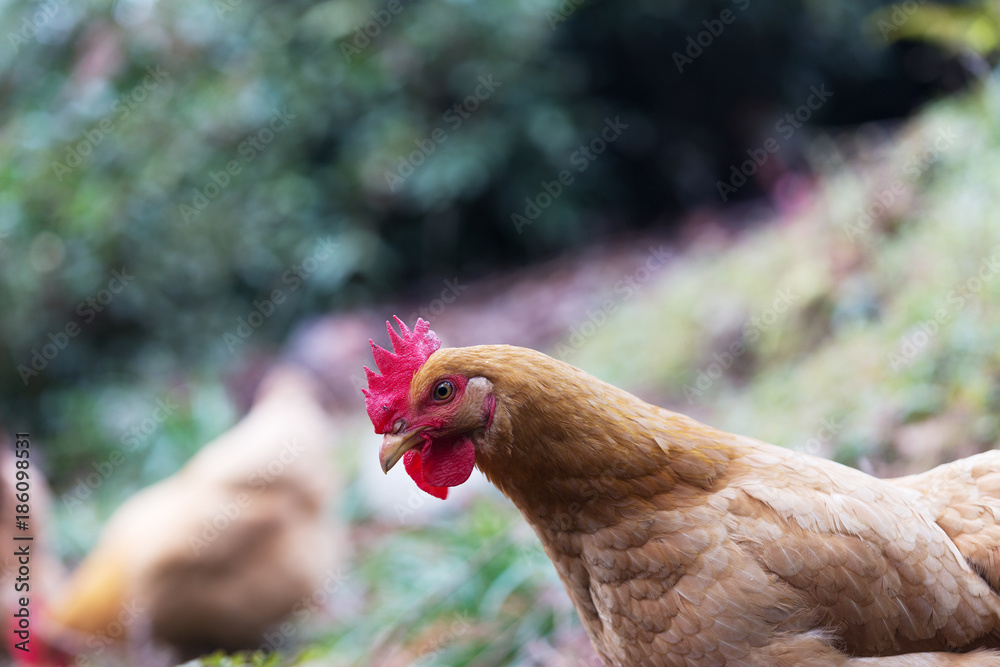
[[387, 394]]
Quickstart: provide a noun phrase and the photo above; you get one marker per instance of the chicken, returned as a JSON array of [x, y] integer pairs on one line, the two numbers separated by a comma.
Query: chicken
[[680, 544], [218, 554]]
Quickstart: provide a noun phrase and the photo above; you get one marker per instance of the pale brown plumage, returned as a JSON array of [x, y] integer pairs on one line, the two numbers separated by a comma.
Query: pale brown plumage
[[228, 547], [684, 545]]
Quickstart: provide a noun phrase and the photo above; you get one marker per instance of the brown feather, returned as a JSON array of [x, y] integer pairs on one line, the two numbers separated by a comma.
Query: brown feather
[[680, 544]]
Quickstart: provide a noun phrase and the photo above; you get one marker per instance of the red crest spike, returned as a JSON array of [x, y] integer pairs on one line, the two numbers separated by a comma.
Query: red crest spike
[[387, 394]]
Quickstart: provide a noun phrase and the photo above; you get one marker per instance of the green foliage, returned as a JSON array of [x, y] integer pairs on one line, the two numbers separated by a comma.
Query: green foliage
[[894, 317], [249, 163], [958, 28], [469, 590], [246, 659]]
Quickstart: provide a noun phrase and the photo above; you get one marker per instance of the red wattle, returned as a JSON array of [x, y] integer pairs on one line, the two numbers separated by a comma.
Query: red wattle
[[448, 462], [441, 463], [411, 461]]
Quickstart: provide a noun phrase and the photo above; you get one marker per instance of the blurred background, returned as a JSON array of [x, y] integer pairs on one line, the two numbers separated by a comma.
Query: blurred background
[[778, 217]]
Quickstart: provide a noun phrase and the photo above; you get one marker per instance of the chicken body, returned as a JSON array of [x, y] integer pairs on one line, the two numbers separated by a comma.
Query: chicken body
[[220, 552], [680, 544]]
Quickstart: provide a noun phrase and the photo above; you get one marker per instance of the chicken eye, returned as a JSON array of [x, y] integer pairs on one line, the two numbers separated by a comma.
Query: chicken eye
[[443, 390]]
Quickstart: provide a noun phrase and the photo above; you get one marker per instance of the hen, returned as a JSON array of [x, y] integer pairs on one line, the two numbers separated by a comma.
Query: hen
[[680, 544], [217, 555]]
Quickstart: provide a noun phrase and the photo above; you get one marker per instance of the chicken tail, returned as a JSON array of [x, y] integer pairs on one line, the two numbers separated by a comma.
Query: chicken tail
[[93, 601]]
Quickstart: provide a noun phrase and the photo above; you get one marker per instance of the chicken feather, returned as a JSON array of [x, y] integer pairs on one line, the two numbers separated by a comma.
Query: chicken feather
[[680, 544], [219, 553]]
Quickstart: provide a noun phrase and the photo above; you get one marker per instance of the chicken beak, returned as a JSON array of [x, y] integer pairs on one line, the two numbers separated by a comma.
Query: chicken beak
[[394, 445]]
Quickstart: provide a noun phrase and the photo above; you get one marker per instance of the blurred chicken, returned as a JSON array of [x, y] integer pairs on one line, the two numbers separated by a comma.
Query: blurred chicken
[[219, 553]]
